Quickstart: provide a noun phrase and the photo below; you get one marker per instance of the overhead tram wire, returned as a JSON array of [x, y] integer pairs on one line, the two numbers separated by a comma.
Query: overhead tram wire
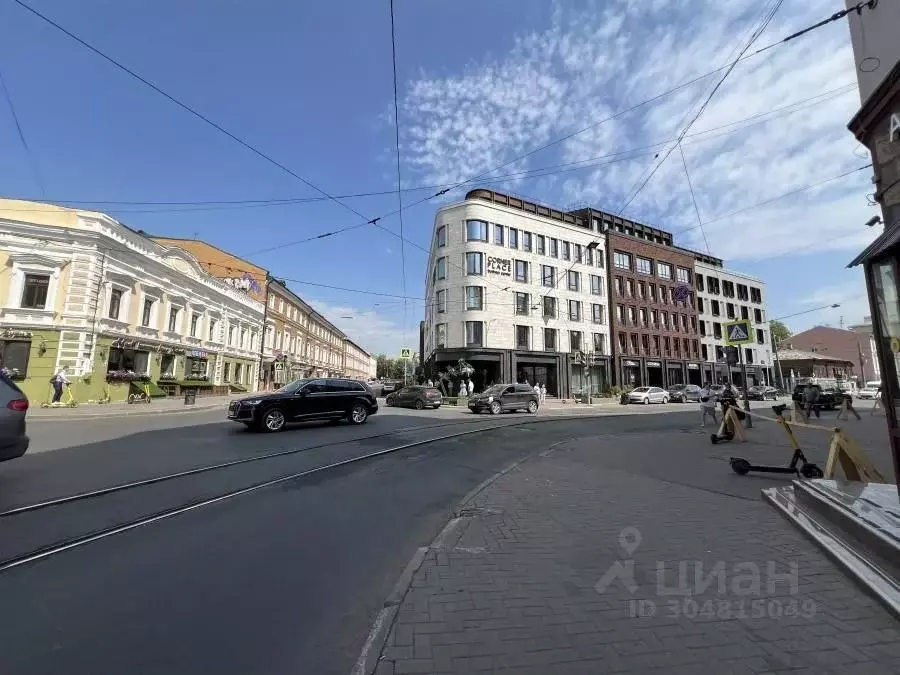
[[687, 175], [399, 175], [32, 160]]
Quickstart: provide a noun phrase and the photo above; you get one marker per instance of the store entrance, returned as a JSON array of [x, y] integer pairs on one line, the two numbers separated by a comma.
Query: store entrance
[[538, 373], [655, 376]]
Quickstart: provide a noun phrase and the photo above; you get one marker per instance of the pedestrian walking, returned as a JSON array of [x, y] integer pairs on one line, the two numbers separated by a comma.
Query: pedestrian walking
[[462, 389], [543, 392], [471, 387], [537, 391], [59, 381], [812, 397], [848, 399], [707, 405]]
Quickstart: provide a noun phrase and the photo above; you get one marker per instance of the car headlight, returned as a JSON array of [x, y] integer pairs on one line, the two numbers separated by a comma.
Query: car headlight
[[490, 399], [254, 401]]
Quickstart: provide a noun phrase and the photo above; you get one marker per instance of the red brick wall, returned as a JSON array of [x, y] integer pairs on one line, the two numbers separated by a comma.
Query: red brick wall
[[645, 249]]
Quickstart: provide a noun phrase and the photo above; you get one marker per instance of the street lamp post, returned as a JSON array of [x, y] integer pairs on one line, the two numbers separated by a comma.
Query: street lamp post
[[775, 342]]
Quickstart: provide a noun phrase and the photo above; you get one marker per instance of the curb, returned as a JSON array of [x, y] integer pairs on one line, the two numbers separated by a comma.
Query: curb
[[370, 654], [142, 412]]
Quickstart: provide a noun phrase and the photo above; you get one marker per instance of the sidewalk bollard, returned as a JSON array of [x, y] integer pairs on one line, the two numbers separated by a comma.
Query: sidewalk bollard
[[190, 396]]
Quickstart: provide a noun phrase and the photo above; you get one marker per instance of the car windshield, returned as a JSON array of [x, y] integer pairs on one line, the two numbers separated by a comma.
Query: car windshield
[[676, 387], [293, 387], [496, 389], [641, 390]]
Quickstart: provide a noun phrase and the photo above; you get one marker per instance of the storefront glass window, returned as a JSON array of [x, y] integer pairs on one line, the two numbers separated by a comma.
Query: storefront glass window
[[128, 360], [167, 366], [14, 357], [195, 368]]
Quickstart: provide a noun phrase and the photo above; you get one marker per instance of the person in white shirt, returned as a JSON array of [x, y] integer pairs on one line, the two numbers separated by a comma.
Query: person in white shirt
[[471, 387], [59, 380], [707, 405], [543, 392]]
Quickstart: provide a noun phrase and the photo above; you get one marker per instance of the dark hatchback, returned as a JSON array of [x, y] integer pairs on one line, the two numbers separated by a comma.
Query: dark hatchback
[[829, 399], [682, 393], [332, 399], [505, 397], [416, 396]]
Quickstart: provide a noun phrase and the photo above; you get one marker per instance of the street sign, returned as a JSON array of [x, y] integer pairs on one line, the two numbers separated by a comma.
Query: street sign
[[405, 353], [739, 332]]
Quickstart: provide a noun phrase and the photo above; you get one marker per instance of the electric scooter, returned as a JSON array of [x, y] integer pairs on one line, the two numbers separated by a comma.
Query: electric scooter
[[806, 468]]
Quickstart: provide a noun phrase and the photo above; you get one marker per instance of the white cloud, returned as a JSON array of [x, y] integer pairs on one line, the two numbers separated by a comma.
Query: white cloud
[[371, 330], [596, 58]]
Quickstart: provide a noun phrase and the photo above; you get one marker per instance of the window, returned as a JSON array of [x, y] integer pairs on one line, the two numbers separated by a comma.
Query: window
[[213, 324], [526, 241], [474, 297], [14, 356], [699, 282], [702, 329], [589, 256], [441, 301], [642, 313], [474, 263], [442, 236], [645, 344], [601, 261], [195, 320], [623, 343], [620, 313], [115, 303], [656, 349], [577, 252], [683, 275], [599, 343], [476, 230], [684, 323], [717, 330], [632, 316], [651, 292], [715, 308], [540, 243], [550, 339], [440, 269], [440, 335], [523, 337], [712, 285], [634, 343], [622, 260], [654, 318], [755, 295], [729, 310], [567, 251], [574, 310], [757, 315], [231, 330], [742, 292], [474, 333], [521, 271], [549, 307], [700, 305], [704, 351], [641, 289], [128, 360], [597, 314], [498, 235], [548, 276], [664, 320], [574, 340], [745, 312], [513, 238], [629, 286], [195, 369], [644, 265], [574, 280], [663, 270], [522, 304], [619, 286], [147, 313], [748, 355], [34, 291], [728, 289], [173, 319], [596, 285], [554, 248]]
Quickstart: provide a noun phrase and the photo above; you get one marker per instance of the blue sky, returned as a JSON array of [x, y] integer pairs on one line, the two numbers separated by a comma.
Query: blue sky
[[481, 82]]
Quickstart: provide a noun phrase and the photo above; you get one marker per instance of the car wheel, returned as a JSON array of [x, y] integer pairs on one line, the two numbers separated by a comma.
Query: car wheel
[[496, 409], [420, 404], [532, 407], [665, 400], [389, 402], [273, 420], [646, 400], [359, 414]]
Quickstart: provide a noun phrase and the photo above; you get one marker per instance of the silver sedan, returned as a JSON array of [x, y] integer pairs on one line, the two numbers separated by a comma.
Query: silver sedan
[[647, 395]]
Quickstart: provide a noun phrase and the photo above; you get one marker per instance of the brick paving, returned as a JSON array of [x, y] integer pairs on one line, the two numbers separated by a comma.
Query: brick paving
[[513, 590]]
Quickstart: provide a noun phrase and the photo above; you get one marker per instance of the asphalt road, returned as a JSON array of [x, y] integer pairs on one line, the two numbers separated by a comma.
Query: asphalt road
[[284, 580]]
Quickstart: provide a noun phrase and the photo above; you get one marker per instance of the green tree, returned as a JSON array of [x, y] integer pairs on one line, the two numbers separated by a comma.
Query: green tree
[[780, 332]]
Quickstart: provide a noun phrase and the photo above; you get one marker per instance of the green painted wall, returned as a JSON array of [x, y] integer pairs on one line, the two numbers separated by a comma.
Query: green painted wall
[[36, 384]]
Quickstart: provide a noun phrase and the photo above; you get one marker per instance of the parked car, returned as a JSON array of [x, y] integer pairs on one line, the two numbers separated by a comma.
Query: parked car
[[418, 397], [867, 393], [13, 407], [682, 393], [388, 386], [829, 399], [648, 395], [330, 399], [761, 392], [505, 397]]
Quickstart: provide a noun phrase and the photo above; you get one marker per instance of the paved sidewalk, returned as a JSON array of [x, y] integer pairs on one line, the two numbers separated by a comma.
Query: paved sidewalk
[[156, 407], [553, 569]]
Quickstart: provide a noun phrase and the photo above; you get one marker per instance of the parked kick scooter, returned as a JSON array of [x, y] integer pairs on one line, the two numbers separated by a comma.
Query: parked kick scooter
[[806, 469]]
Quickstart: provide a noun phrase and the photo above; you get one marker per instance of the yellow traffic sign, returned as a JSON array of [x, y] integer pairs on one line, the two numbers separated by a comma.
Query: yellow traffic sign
[[739, 332]]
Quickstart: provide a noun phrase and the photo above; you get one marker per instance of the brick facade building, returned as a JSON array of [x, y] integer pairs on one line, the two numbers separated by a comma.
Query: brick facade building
[[841, 345]]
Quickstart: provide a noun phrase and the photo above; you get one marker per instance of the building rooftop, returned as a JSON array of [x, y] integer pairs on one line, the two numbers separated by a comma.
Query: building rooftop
[[789, 354]]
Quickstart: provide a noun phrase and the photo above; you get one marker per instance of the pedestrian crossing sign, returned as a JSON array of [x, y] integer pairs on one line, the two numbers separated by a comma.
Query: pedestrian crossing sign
[[405, 353], [738, 332]]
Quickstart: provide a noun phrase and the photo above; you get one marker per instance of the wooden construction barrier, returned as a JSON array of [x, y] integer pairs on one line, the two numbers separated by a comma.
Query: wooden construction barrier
[[847, 408]]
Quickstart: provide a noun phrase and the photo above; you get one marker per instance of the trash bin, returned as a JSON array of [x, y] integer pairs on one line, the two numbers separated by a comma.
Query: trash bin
[[190, 396]]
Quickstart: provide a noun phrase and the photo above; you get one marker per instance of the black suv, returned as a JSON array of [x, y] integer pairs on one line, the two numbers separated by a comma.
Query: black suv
[[313, 399], [502, 397], [829, 399]]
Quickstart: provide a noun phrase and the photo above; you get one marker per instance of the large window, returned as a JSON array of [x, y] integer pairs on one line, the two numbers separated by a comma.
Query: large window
[[522, 304], [128, 360], [167, 368], [14, 357], [597, 314], [196, 369], [523, 337], [554, 248], [476, 230], [574, 280], [173, 319], [663, 270], [644, 265], [213, 325], [521, 270], [442, 235], [474, 333], [474, 297], [440, 335], [574, 340], [441, 301], [513, 238], [599, 344], [115, 303], [574, 310], [566, 251], [34, 292], [550, 339], [526, 241], [549, 307], [683, 275], [596, 285], [440, 269], [147, 313], [622, 260], [498, 235], [540, 243], [474, 263], [548, 276]]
